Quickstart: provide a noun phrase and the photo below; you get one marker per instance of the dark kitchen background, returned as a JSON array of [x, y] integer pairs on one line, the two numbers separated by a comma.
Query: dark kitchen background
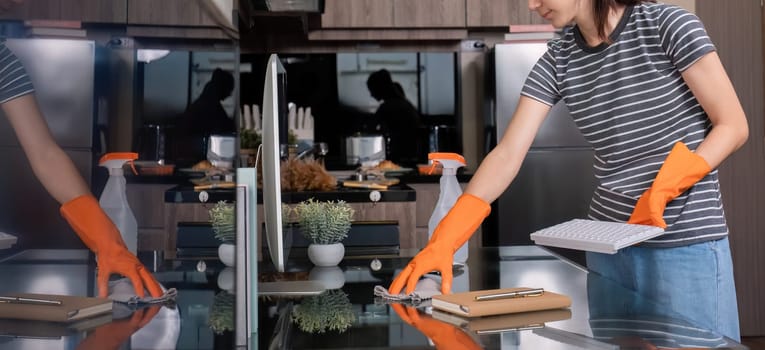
[[334, 87]]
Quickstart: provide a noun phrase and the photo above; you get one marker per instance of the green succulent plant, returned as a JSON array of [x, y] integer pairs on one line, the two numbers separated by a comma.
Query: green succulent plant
[[223, 221], [330, 310], [324, 222]]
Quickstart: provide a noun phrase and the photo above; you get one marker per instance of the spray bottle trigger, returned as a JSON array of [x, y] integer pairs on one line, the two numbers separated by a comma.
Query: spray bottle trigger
[[132, 166], [432, 166]]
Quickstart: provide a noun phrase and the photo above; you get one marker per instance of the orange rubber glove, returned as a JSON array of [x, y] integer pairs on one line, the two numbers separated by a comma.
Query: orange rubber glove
[[114, 334], [445, 336], [98, 232], [680, 171], [450, 234]]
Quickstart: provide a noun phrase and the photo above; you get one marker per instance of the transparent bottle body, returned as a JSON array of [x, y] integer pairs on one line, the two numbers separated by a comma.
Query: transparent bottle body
[[450, 192], [114, 203]]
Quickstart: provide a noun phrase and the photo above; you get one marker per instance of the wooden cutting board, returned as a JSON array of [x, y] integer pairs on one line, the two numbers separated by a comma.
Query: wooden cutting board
[[371, 184]]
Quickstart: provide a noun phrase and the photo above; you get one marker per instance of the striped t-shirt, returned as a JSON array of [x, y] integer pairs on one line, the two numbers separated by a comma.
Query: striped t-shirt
[[631, 103], [14, 81]]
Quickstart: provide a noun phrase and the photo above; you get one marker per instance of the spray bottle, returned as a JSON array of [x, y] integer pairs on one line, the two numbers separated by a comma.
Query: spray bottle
[[114, 199], [450, 192]]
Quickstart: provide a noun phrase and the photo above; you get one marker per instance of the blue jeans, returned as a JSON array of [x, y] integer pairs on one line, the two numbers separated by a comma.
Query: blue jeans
[[695, 281]]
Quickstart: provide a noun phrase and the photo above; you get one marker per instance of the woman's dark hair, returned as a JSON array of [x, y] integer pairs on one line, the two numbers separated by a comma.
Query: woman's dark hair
[[601, 9]]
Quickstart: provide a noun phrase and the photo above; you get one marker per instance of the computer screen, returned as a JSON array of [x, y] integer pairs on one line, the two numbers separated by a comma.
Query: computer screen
[[274, 115]]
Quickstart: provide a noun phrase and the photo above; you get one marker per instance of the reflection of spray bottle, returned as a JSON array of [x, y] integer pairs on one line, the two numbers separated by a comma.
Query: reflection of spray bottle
[[450, 191], [114, 199]]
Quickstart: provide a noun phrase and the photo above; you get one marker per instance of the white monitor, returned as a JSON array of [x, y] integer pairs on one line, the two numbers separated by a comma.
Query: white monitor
[[274, 109], [274, 116]]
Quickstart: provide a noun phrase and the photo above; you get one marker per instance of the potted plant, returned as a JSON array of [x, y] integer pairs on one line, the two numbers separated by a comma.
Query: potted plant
[[224, 226], [324, 225], [222, 313], [330, 310], [249, 141]]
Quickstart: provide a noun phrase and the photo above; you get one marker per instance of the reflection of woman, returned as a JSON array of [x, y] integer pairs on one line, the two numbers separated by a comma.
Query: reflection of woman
[[400, 119], [206, 114], [621, 316], [645, 87], [203, 117]]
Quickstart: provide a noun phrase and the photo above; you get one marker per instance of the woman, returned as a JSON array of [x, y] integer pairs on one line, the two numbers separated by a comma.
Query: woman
[[61, 179], [646, 88]]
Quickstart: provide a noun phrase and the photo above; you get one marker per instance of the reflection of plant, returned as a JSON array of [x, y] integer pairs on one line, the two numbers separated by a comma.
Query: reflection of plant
[[223, 223], [287, 218], [292, 138], [330, 310], [249, 138], [324, 222], [222, 313]]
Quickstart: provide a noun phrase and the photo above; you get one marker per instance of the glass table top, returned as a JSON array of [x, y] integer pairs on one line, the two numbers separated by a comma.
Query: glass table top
[[603, 315]]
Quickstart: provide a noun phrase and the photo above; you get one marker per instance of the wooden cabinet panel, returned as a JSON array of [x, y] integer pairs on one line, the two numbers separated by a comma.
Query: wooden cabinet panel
[[403, 212], [147, 201], [357, 14], [488, 13], [151, 239], [38, 9], [167, 12], [94, 11], [427, 196], [178, 212], [428, 13], [500, 13]]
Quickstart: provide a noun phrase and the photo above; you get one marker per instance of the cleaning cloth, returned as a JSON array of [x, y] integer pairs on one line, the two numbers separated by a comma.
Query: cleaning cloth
[[122, 291], [426, 288]]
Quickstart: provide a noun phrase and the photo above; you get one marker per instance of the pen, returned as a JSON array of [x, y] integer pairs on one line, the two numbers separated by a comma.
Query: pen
[[535, 292], [34, 301]]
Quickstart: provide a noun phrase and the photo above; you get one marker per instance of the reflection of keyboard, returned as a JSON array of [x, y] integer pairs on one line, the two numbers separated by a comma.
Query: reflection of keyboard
[[594, 236], [6, 240]]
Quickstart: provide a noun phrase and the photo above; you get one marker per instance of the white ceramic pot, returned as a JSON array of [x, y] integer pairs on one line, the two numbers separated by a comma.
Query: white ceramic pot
[[332, 277], [227, 254], [326, 254], [226, 279]]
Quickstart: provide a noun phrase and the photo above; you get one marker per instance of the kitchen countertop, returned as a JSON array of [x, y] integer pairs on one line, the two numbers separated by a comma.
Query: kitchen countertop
[[602, 313], [397, 193], [184, 191]]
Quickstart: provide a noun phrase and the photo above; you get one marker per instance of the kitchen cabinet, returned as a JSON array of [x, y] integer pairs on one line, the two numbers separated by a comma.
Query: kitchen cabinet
[[403, 212], [40, 9], [182, 212], [167, 13], [147, 201], [390, 14], [428, 13], [95, 11], [357, 14], [173, 19], [499, 13]]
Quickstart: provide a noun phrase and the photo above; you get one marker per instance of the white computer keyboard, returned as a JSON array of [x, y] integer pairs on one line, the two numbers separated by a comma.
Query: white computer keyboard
[[6, 240], [594, 236]]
